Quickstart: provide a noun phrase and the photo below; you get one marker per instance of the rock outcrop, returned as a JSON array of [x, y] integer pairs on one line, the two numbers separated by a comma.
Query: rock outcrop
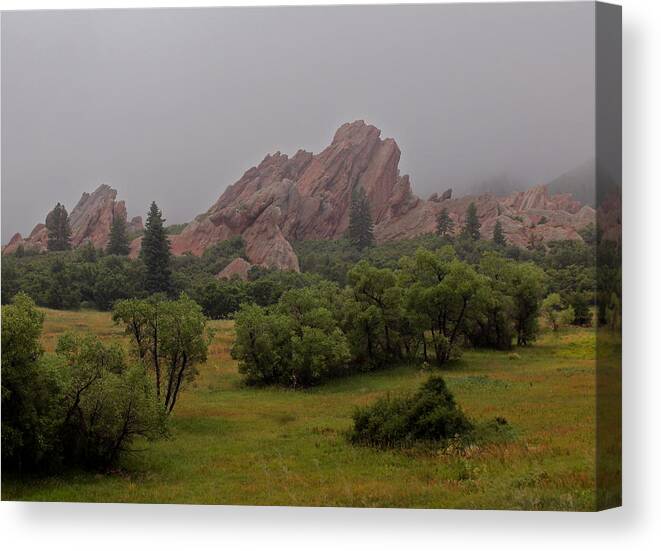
[[308, 197], [91, 219], [90, 222], [135, 225], [303, 197], [237, 268]]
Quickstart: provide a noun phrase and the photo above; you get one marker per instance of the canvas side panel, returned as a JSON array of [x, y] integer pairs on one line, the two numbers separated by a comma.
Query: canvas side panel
[[608, 150]]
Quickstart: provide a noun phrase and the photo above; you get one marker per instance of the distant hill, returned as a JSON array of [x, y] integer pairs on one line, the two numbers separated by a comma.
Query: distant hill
[[579, 182], [500, 186]]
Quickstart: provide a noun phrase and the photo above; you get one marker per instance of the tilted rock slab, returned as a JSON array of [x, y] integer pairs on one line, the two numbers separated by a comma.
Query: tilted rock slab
[[309, 196], [306, 196], [90, 221]]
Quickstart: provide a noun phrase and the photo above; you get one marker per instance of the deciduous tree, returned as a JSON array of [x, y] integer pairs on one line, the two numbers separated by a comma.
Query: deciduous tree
[[527, 285], [170, 338]]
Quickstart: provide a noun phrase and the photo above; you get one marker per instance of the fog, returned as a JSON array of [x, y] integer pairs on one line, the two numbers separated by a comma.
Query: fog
[[174, 105]]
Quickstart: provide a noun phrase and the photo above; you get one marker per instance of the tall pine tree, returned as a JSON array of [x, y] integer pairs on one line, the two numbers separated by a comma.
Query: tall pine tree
[[472, 225], [361, 229], [444, 224], [499, 235], [155, 252], [119, 237], [59, 231]]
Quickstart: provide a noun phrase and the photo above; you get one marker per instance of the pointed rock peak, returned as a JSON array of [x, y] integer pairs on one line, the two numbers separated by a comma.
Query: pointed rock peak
[[101, 192], [15, 238], [103, 188], [356, 131]]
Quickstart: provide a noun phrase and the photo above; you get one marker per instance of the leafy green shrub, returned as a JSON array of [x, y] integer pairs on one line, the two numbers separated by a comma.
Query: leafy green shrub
[[296, 343], [556, 313], [32, 390], [82, 407], [107, 404], [60, 294], [429, 415], [527, 286], [116, 278], [262, 345], [219, 299], [581, 305], [426, 310], [316, 354]]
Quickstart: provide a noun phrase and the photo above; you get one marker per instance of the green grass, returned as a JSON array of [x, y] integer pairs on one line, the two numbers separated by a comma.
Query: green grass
[[235, 445]]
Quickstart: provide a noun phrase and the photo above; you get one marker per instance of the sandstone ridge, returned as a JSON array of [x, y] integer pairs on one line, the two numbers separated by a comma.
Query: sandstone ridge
[[90, 221], [307, 196]]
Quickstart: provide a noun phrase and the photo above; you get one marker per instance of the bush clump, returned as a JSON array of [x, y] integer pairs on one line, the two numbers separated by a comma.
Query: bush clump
[[296, 344], [83, 406], [429, 415]]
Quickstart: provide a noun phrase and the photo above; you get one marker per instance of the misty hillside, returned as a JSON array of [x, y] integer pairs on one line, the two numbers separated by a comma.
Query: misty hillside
[[579, 182]]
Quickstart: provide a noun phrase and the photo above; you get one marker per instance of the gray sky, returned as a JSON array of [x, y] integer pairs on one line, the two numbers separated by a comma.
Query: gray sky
[[174, 105]]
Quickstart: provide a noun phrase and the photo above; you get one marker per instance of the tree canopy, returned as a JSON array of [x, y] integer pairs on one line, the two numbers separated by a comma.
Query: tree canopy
[[170, 339]]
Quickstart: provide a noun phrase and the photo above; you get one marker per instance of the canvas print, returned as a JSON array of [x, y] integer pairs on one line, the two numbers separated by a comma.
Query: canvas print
[[356, 256]]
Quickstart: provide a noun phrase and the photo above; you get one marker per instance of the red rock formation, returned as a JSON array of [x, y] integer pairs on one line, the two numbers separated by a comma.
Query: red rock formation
[[308, 197], [305, 197], [134, 247], [538, 198], [90, 221], [15, 242], [237, 268], [135, 225]]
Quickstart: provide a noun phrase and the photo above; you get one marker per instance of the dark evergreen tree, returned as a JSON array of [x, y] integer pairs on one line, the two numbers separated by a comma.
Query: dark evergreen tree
[[61, 294], [119, 237], [155, 253], [361, 229], [59, 231], [472, 226], [87, 253], [498, 235], [444, 224]]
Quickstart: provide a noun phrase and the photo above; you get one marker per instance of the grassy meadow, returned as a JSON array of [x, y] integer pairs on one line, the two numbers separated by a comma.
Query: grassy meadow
[[231, 444]]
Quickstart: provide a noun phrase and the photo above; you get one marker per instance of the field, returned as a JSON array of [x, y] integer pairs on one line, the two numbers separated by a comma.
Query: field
[[230, 444]]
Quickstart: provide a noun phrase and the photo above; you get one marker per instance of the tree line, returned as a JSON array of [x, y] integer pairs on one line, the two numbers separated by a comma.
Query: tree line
[[428, 309], [89, 277]]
